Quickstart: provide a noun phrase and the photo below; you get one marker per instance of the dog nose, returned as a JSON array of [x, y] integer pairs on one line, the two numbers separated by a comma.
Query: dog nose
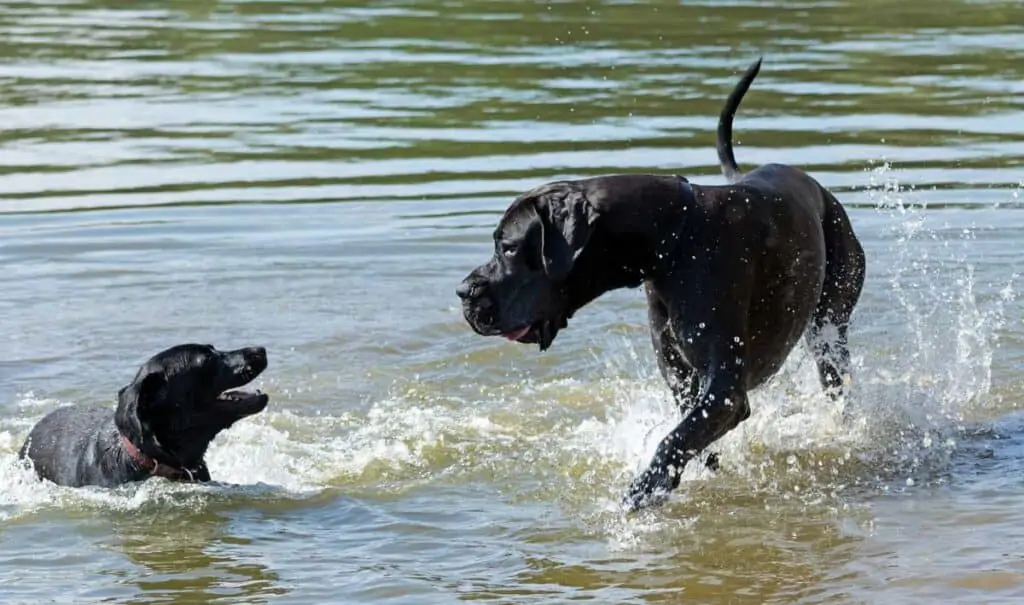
[[467, 290], [258, 354]]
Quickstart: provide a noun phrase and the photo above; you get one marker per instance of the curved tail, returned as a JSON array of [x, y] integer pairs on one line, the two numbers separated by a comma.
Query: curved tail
[[724, 145]]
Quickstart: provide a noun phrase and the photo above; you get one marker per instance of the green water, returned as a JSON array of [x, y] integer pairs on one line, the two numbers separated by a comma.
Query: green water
[[316, 178]]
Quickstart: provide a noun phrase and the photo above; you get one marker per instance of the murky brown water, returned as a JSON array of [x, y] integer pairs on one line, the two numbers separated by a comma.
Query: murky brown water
[[316, 177]]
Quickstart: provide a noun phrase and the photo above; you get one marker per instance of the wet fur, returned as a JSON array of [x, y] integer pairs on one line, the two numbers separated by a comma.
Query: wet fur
[[169, 412], [734, 276]]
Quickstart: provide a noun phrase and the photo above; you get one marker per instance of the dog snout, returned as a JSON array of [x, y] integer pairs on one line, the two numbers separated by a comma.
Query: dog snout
[[471, 289], [254, 360], [478, 302], [256, 354], [475, 292]]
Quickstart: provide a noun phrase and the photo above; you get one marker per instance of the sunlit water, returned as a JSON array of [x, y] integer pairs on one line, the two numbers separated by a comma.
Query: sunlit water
[[317, 177]]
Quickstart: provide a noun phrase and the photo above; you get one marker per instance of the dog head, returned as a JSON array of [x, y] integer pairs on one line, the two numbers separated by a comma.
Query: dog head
[[183, 397], [520, 293]]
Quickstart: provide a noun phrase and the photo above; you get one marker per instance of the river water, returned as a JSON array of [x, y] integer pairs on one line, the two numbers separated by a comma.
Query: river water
[[317, 176]]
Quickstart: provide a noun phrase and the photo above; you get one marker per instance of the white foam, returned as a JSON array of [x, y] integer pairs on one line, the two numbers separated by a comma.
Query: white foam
[[907, 403], [291, 454], [905, 399]]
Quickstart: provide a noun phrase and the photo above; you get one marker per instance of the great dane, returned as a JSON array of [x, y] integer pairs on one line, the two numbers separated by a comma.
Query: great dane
[[734, 276]]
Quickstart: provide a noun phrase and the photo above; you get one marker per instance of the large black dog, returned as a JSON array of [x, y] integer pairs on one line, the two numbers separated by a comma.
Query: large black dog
[[165, 419], [734, 275]]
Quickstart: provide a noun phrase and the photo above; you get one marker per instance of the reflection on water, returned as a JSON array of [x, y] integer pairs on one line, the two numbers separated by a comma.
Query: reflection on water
[[191, 558], [316, 177], [304, 102]]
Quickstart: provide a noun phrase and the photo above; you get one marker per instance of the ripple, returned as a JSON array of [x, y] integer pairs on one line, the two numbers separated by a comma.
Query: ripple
[[316, 176]]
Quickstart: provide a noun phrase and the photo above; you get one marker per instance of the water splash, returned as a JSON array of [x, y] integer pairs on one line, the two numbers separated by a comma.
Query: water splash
[[277, 454], [923, 343], [253, 460]]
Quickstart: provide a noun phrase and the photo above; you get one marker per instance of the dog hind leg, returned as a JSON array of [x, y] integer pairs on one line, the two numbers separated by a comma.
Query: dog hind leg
[[827, 334]]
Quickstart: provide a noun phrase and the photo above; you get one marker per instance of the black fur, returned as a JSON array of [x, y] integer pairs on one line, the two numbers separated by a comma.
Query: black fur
[[734, 276], [176, 404]]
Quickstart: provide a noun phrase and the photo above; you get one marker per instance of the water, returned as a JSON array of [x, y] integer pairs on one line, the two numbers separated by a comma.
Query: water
[[316, 177]]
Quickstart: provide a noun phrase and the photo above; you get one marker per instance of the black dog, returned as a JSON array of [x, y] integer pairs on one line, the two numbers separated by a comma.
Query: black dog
[[734, 275], [165, 419]]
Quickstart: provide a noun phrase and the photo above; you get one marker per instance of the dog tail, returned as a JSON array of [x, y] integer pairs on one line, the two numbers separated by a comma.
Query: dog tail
[[725, 156]]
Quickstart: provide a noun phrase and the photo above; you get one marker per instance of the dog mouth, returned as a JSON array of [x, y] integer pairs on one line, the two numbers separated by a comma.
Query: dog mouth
[[542, 333], [518, 334], [244, 401], [248, 363]]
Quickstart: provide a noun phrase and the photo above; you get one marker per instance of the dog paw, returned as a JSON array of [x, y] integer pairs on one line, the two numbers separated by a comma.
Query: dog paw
[[712, 463], [649, 489]]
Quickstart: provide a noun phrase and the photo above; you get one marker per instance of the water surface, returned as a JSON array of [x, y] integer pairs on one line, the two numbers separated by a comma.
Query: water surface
[[316, 177]]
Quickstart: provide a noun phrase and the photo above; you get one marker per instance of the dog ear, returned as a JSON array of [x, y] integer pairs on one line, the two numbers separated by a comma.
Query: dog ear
[[134, 404], [567, 220]]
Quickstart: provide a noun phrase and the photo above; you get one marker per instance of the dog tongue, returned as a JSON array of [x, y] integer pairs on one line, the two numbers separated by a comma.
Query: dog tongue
[[516, 334]]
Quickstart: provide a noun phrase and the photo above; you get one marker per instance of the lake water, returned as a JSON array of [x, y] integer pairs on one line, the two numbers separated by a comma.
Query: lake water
[[317, 176]]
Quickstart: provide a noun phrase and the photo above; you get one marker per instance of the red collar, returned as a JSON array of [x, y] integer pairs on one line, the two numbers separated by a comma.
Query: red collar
[[152, 465]]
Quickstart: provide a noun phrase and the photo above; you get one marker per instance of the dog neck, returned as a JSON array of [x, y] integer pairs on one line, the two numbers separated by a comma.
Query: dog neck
[[634, 242], [153, 465]]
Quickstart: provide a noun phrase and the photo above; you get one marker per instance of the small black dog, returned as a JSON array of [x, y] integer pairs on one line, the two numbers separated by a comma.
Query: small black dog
[[165, 419], [734, 274]]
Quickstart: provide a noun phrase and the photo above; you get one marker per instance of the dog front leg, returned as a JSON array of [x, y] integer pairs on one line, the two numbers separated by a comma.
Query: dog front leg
[[683, 381], [721, 408]]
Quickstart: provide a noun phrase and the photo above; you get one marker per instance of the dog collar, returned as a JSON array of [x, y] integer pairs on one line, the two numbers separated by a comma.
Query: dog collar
[[153, 465]]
